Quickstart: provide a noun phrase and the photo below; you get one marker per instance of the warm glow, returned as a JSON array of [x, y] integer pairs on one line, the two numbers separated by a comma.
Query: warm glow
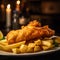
[[8, 6], [2, 6], [18, 2]]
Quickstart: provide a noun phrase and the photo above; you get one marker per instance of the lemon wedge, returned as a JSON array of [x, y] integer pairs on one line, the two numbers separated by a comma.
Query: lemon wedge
[[1, 35]]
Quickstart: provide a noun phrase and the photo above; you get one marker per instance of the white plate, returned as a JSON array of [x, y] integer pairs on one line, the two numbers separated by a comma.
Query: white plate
[[30, 54]]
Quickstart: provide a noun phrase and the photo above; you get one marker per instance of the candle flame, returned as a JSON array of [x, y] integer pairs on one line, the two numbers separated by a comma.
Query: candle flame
[[8, 6], [18, 2]]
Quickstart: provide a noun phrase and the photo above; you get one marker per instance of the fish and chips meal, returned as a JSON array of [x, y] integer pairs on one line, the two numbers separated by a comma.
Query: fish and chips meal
[[29, 39]]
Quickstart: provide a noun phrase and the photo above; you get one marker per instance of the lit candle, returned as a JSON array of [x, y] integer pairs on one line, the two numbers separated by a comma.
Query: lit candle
[[2, 7], [18, 5], [8, 16], [3, 11]]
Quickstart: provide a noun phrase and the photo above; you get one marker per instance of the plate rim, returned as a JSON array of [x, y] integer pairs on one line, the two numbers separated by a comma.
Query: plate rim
[[31, 54], [3, 53]]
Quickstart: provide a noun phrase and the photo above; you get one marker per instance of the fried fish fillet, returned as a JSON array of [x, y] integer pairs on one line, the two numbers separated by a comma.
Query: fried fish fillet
[[32, 31]]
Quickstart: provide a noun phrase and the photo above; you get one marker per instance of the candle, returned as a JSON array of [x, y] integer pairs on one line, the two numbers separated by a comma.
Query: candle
[[3, 11], [18, 5], [8, 16], [2, 7]]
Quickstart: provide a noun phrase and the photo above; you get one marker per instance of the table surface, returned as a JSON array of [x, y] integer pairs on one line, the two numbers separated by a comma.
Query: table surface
[[48, 56]]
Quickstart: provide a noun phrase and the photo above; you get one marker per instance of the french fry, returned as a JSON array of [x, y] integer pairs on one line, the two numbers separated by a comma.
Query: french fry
[[4, 48], [37, 48], [10, 47], [37, 42], [45, 47], [15, 45], [31, 47], [15, 50], [51, 41], [23, 48], [29, 50], [46, 43], [3, 42]]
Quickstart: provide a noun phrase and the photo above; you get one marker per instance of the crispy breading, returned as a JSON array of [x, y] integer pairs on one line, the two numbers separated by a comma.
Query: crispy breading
[[32, 31], [34, 23], [11, 36]]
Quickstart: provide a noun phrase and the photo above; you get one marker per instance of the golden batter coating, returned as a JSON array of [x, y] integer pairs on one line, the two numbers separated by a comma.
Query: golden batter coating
[[32, 31]]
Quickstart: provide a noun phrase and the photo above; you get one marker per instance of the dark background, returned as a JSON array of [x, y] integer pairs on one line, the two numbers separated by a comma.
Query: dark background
[[47, 12]]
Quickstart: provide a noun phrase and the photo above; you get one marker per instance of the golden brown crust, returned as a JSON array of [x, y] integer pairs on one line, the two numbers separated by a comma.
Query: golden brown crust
[[34, 23], [32, 31]]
